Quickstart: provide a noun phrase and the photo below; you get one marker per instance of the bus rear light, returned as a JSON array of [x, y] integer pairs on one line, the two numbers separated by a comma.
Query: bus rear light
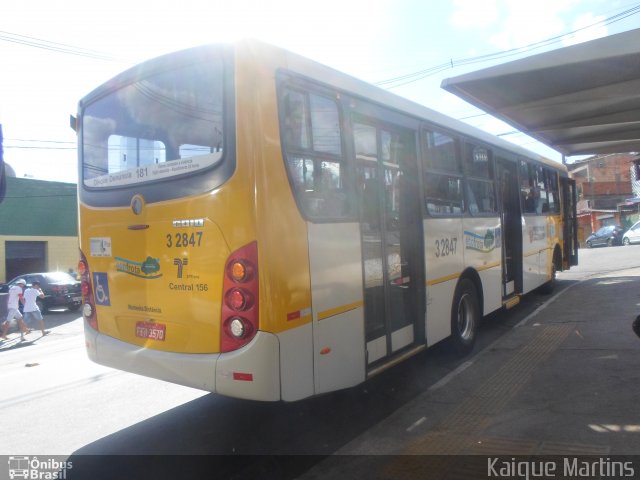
[[239, 299], [240, 270], [240, 294], [89, 308], [82, 266], [239, 328]]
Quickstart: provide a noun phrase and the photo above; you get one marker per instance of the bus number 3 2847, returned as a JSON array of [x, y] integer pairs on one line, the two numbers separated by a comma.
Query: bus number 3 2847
[[184, 240], [446, 246]]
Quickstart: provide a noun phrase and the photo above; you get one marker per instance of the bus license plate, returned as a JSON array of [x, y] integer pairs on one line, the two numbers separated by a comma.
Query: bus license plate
[[154, 331]]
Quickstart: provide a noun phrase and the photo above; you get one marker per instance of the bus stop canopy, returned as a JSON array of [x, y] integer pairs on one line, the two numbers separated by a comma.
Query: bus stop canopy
[[578, 100]]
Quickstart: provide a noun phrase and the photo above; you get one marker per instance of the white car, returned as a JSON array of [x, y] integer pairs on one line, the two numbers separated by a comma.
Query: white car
[[632, 235]]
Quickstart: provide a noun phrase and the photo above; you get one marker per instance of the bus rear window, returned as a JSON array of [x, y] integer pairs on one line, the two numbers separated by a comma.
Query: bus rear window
[[161, 126]]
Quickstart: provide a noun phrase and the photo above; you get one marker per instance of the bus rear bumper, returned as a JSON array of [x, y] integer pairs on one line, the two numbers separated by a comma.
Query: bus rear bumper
[[252, 372]]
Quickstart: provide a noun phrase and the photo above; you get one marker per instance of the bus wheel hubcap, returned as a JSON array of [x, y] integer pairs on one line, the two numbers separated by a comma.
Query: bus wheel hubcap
[[465, 317]]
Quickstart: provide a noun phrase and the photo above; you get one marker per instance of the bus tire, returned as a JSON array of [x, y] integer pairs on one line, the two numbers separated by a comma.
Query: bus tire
[[465, 317]]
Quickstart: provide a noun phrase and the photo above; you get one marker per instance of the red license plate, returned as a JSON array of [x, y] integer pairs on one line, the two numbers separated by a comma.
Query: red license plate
[[154, 331]]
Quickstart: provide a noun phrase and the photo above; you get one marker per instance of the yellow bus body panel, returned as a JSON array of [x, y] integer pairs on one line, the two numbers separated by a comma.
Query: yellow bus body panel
[[285, 297], [255, 204]]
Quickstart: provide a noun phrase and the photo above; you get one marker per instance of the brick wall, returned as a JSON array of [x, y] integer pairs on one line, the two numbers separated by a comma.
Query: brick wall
[[605, 181]]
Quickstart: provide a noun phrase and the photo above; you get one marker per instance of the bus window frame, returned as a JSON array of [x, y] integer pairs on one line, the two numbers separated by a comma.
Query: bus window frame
[[524, 208], [550, 173], [286, 81], [469, 177], [547, 172], [425, 169]]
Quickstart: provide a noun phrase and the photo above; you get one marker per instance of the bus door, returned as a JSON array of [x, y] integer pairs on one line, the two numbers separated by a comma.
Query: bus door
[[511, 219], [391, 238], [569, 222]]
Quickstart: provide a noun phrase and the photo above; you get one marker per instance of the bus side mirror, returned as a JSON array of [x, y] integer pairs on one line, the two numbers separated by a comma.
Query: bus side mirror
[[73, 123]]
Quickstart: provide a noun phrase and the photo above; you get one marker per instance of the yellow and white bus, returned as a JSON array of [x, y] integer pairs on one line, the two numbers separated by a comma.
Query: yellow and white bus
[[256, 224]]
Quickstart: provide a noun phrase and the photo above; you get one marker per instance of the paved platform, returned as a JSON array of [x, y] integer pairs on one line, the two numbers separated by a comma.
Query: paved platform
[[565, 382]]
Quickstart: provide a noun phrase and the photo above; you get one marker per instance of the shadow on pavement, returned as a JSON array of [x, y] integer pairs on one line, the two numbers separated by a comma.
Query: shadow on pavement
[[231, 438]]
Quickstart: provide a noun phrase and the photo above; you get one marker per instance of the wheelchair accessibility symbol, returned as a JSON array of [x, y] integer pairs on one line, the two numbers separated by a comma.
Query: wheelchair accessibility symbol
[[101, 289]]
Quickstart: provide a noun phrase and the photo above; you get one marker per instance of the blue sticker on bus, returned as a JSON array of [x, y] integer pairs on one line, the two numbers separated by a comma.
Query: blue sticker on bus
[[101, 289]]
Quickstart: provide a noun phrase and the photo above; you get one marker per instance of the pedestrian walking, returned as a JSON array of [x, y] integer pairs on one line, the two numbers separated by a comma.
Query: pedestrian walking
[[31, 310], [13, 307]]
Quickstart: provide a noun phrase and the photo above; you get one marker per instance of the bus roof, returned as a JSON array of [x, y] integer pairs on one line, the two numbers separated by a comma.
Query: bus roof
[[327, 75]]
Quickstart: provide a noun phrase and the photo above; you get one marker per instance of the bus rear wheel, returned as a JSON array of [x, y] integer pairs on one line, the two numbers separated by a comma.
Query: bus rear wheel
[[465, 316]]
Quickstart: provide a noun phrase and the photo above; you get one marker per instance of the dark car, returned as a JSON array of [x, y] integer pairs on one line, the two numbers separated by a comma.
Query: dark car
[[60, 289], [606, 236]]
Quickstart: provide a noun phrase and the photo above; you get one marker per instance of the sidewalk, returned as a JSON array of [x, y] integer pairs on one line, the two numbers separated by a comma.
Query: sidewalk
[[566, 382]]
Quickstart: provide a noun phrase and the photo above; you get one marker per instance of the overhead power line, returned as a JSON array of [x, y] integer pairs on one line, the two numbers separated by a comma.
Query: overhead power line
[[54, 144], [450, 64], [33, 147], [37, 141], [57, 47]]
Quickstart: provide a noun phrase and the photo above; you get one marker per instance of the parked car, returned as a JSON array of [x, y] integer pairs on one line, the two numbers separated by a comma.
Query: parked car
[[60, 289], [606, 237], [632, 235]]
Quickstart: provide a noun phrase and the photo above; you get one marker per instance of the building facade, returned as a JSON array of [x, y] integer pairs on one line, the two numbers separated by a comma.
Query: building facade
[[604, 185], [38, 227]]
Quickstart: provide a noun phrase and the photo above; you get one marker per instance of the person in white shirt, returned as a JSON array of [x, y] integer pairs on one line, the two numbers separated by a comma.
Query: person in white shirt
[[31, 310], [13, 310]]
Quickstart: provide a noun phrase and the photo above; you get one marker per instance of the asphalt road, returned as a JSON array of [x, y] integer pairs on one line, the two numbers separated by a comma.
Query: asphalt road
[[54, 401]]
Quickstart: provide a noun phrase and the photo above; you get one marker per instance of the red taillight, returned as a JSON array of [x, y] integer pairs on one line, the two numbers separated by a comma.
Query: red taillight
[[239, 299], [89, 307], [239, 322]]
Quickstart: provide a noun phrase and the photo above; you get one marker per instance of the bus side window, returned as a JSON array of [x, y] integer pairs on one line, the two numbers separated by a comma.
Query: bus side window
[[542, 199], [444, 195], [553, 190], [296, 119], [478, 165], [471, 200], [481, 197], [527, 188], [313, 152]]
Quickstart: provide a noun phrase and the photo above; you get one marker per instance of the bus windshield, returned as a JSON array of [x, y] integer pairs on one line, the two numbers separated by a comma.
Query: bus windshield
[[160, 126]]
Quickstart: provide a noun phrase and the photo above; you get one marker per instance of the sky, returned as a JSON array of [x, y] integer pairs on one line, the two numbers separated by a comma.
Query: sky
[[53, 53]]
